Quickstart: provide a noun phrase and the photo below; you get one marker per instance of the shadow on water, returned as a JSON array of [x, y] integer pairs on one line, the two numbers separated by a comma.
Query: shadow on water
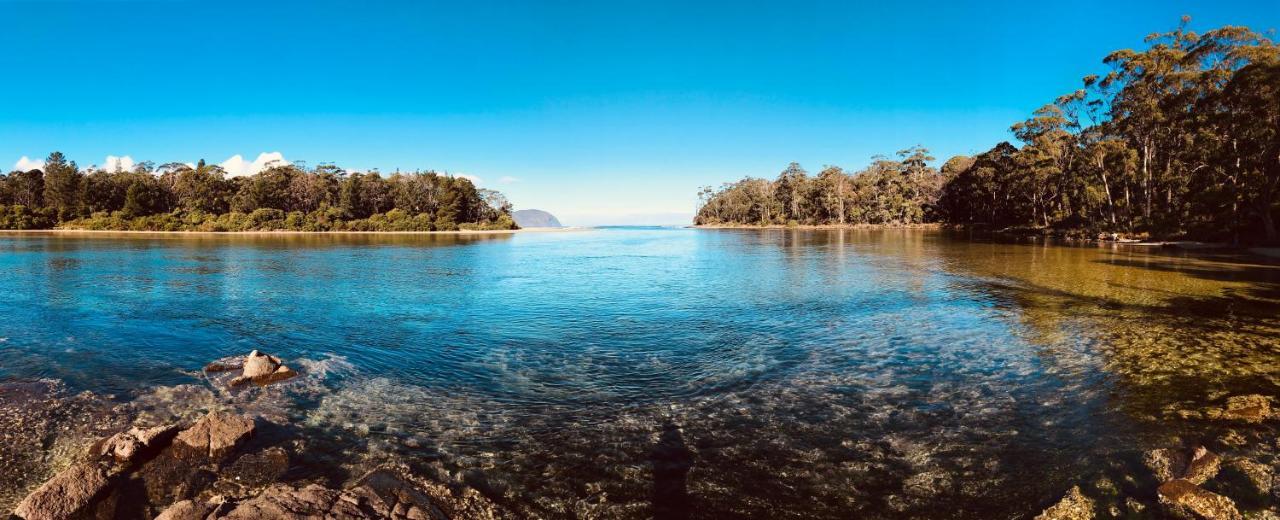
[[672, 461]]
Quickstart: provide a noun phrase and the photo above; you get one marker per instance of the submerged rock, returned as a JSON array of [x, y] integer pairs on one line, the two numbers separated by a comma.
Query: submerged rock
[[1252, 476], [1251, 408], [1204, 465], [215, 435], [1182, 499], [1074, 506], [1165, 463], [80, 491]]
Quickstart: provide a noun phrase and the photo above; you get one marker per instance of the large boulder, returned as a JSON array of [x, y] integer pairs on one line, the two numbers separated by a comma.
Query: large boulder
[[80, 491], [215, 435], [1074, 506], [1182, 499]]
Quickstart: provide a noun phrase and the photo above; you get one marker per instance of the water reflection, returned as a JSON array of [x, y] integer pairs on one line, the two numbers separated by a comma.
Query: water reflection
[[675, 373]]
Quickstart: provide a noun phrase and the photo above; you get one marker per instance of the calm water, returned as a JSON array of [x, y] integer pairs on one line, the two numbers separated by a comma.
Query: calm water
[[627, 373]]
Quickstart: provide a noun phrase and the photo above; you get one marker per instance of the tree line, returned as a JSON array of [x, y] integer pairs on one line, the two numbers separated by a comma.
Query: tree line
[[201, 197], [1181, 138]]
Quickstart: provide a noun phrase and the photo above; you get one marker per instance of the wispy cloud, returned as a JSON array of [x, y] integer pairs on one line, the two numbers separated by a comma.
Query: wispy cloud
[[507, 179], [236, 166], [27, 164], [113, 163]]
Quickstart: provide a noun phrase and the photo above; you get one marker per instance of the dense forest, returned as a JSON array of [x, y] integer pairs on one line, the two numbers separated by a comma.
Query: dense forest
[[1181, 138], [201, 197]]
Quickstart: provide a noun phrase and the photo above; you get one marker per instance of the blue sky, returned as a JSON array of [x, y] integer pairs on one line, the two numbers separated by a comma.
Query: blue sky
[[600, 112]]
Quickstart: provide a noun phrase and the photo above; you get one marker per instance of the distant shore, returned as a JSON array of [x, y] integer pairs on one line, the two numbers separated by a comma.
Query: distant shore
[[290, 232], [931, 225]]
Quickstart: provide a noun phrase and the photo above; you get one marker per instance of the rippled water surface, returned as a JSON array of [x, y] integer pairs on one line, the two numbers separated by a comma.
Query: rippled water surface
[[630, 373]]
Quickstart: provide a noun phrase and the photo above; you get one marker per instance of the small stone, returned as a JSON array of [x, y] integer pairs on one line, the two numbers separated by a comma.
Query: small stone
[[1074, 506], [1182, 499]]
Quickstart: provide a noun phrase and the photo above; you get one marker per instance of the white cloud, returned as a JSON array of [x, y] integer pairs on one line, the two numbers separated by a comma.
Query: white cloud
[[26, 164], [474, 180], [236, 166], [114, 163], [507, 179]]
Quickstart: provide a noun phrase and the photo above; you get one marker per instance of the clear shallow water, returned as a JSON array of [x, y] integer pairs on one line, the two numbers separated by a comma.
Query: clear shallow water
[[627, 373]]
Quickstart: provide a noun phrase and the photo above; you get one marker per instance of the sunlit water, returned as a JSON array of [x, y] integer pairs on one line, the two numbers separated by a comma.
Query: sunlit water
[[628, 373]]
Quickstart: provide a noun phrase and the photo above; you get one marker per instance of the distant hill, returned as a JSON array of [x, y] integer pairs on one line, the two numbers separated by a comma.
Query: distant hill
[[527, 218]]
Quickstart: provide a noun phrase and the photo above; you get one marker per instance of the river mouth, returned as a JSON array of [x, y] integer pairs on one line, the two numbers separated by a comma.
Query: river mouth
[[639, 373]]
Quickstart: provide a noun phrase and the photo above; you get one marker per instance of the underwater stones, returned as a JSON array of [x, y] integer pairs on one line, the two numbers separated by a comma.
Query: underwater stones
[[1252, 408], [215, 435], [1074, 506], [76, 492], [1182, 499], [1257, 478], [252, 471]]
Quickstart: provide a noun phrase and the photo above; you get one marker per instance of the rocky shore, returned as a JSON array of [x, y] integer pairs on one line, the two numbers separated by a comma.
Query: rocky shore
[[225, 464]]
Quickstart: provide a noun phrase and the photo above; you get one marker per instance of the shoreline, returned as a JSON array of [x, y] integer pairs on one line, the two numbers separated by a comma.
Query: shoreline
[[289, 232], [932, 225]]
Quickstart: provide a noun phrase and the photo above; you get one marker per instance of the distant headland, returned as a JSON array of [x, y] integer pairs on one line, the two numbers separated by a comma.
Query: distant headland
[[535, 218]]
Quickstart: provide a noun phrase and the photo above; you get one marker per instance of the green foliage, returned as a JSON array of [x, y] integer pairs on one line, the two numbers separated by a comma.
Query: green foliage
[[887, 192], [179, 197]]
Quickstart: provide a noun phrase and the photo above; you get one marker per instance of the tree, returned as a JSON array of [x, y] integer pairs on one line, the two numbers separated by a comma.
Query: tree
[[62, 186]]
